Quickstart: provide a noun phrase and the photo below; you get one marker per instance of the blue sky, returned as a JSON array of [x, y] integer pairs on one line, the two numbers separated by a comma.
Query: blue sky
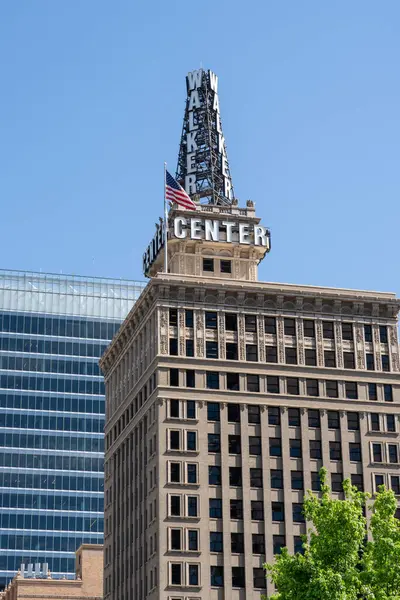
[[92, 101]]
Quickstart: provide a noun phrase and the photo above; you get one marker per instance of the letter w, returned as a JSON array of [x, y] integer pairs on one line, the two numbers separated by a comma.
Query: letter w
[[193, 79]]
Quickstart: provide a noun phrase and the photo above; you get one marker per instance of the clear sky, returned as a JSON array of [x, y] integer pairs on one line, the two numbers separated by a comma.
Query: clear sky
[[92, 97]]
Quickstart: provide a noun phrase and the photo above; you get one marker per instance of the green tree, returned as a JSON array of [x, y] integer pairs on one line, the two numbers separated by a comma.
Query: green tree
[[338, 563]]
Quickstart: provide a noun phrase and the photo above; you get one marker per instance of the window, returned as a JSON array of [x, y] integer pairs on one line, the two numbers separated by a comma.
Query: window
[[190, 409], [190, 378], [385, 362], [368, 333], [355, 452], [393, 453], [234, 444], [375, 422], [213, 380], [312, 387], [272, 384], [251, 352], [257, 510], [333, 419], [311, 357], [372, 391], [256, 478], [295, 448], [253, 383], [173, 347], [226, 266], [353, 421], [289, 326], [231, 351], [330, 358], [174, 412], [208, 265], [332, 389], [238, 580], [175, 539], [211, 320], [254, 445], [175, 506], [232, 382], [217, 576], [379, 480], [390, 423], [291, 356], [236, 509], [348, 359], [358, 481], [189, 348], [237, 543], [192, 506], [315, 449], [347, 331], [315, 481], [294, 417], [211, 349], [377, 453], [174, 377], [298, 516], [174, 440], [253, 413], [298, 544], [258, 543], [174, 472], [275, 447], [173, 317], [216, 541], [191, 441], [230, 321], [214, 443], [175, 573], [235, 476], [278, 511], [314, 418], [188, 318], [388, 392], [292, 386], [233, 413], [309, 328], [270, 325], [215, 508], [370, 362], [271, 354], [193, 574], [297, 480], [274, 415], [327, 330], [259, 581], [191, 473], [335, 451], [395, 484], [213, 413], [250, 323], [383, 334], [214, 475], [278, 542], [337, 482], [276, 479]]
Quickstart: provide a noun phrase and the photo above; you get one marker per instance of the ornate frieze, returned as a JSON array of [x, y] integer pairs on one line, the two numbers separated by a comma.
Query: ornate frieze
[[339, 343], [319, 338], [300, 341]]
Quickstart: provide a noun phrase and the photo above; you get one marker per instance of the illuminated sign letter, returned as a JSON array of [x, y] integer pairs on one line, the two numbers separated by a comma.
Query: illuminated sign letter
[[227, 187], [194, 101], [244, 236], [229, 226], [213, 81], [216, 103], [221, 145], [195, 229], [260, 236], [212, 230], [179, 224], [190, 184], [194, 79], [225, 167], [191, 141], [191, 162]]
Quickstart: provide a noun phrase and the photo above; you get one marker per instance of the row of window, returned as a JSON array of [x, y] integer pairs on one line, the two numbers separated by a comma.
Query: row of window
[[11, 561], [270, 324], [384, 453], [42, 383], [51, 482], [29, 460], [51, 502], [50, 522], [66, 404], [43, 346], [47, 543], [188, 574], [51, 442], [60, 423], [49, 365], [57, 326]]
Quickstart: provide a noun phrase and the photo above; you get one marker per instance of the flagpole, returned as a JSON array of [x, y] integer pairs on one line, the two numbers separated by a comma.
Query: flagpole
[[165, 221]]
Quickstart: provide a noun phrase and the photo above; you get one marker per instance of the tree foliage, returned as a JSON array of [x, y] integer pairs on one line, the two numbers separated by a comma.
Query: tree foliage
[[338, 562]]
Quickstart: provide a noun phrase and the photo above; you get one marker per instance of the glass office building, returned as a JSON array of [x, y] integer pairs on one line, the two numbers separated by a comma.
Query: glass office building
[[53, 329]]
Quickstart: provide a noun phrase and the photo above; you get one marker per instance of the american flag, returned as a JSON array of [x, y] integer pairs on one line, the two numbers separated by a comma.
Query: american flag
[[175, 193]]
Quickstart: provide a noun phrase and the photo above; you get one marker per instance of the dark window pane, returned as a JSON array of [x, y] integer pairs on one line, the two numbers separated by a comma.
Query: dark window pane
[[190, 378], [230, 321], [291, 356], [251, 352], [259, 581], [232, 381], [215, 508], [270, 325], [274, 415], [237, 543], [347, 331], [253, 413], [289, 326], [355, 451], [335, 451], [272, 384], [226, 266], [294, 417], [236, 509], [298, 516], [315, 481], [383, 334], [271, 354], [217, 576], [278, 512], [353, 421], [309, 328], [238, 580], [351, 390], [278, 542], [349, 362], [368, 333], [357, 481], [250, 323], [211, 349], [174, 377], [385, 362], [315, 449], [173, 317], [213, 411], [297, 480], [256, 478], [216, 541], [213, 380], [276, 479], [295, 448], [275, 447], [188, 318], [390, 423], [214, 475], [370, 362], [211, 320], [231, 351], [330, 358], [332, 389], [311, 357], [189, 347], [292, 386], [372, 391], [208, 264], [257, 510], [327, 328], [333, 419], [258, 543], [388, 392], [235, 476], [375, 422], [254, 445], [234, 444], [312, 387], [337, 482], [214, 442], [253, 383], [314, 418]]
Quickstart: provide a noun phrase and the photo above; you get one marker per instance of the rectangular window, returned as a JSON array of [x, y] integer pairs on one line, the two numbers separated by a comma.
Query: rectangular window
[[278, 511], [274, 415], [251, 352], [385, 362], [226, 266], [173, 317], [315, 481], [232, 381], [315, 449], [208, 265], [256, 478], [189, 318], [191, 441], [333, 419], [270, 325], [258, 543], [254, 445], [311, 357], [237, 543], [388, 392], [175, 573], [297, 480], [278, 542], [174, 440], [189, 347], [173, 347], [377, 456], [370, 362], [275, 447], [250, 323], [253, 383], [355, 452], [298, 516], [294, 417], [276, 479], [298, 544], [271, 354], [211, 318], [236, 509], [337, 482], [330, 358], [191, 409], [238, 579], [214, 443], [358, 481], [347, 331], [312, 387], [253, 413], [368, 333], [230, 321], [295, 448], [351, 390], [390, 423], [175, 472], [327, 330], [174, 409], [379, 480], [193, 575], [395, 484], [291, 356], [235, 476], [309, 328], [393, 453], [257, 510], [234, 444], [383, 334], [259, 581], [174, 377], [190, 378], [215, 508], [289, 326], [231, 351], [214, 475], [292, 386], [272, 384], [353, 421], [175, 506], [314, 418], [191, 473], [192, 506], [335, 451], [372, 391], [233, 413], [217, 576], [175, 539], [332, 389], [212, 378], [211, 349], [213, 411], [216, 541], [349, 361], [375, 422]]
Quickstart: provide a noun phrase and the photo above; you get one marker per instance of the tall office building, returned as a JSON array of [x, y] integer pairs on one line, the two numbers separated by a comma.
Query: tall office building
[[226, 395], [53, 329]]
